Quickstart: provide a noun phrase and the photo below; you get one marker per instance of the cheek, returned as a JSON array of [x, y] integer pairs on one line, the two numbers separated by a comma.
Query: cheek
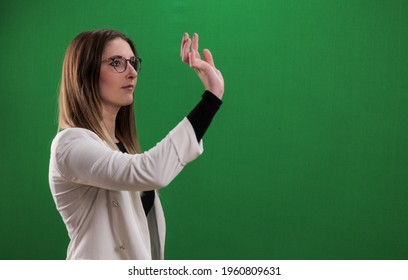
[[104, 80], [106, 84]]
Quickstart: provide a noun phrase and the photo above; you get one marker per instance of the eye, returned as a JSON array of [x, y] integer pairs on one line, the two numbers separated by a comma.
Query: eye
[[115, 62], [133, 62]]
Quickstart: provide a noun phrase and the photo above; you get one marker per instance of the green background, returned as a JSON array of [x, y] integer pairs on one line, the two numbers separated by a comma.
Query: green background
[[307, 159]]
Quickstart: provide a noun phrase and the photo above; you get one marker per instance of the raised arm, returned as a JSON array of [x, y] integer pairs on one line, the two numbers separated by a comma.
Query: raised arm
[[81, 157]]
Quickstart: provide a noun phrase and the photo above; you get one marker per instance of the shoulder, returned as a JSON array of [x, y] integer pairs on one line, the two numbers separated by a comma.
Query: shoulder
[[74, 135], [76, 131]]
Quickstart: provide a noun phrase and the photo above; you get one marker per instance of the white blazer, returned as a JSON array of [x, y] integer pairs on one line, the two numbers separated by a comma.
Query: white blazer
[[97, 192]]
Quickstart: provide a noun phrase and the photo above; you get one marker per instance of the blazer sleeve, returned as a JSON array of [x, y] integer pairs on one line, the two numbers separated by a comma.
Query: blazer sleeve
[[80, 156]]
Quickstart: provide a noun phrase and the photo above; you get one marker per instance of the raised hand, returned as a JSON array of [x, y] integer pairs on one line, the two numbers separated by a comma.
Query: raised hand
[[210, 76]]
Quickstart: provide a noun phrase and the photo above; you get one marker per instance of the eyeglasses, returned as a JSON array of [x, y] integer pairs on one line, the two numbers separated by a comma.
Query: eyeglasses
[[120, 63]]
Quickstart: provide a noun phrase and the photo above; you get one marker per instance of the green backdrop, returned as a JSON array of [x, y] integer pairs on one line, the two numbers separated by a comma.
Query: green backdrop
[[307, 159]]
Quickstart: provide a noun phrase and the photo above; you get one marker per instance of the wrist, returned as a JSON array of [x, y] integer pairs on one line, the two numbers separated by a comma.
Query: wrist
[[217, 92]]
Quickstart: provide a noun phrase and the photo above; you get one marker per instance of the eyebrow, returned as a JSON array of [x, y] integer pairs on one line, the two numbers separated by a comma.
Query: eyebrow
[[119, 56]]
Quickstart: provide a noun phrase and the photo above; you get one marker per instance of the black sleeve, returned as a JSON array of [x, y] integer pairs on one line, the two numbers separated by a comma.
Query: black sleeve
[[201, 116]]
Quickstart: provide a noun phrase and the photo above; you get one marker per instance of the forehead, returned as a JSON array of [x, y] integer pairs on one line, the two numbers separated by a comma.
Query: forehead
[[117, 46]]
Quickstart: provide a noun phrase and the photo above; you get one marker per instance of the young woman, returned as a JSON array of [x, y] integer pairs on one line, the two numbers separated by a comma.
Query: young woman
[[104, 187]]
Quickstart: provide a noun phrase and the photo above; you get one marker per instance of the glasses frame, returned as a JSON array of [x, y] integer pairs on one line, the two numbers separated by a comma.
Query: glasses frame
[[135, 62]]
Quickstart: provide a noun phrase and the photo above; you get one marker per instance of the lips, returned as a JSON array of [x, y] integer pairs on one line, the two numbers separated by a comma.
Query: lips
[[130, 86]]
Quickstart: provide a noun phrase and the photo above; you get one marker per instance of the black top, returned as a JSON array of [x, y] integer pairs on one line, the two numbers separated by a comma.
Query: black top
[[200, 118]]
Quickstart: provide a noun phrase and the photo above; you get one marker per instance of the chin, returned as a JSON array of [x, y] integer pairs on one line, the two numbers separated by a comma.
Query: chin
[[130, 102]]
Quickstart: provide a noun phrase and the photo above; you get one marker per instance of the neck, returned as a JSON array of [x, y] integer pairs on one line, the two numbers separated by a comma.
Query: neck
[[109, 118]]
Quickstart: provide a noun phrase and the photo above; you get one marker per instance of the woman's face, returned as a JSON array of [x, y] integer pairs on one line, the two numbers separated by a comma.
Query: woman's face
[[116, 89]]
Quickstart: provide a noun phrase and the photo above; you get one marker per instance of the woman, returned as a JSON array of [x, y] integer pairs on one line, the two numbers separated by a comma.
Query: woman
[[103, 186]]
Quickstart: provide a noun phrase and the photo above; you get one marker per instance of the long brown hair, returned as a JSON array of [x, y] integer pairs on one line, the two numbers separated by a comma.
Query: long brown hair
[[79, 99]]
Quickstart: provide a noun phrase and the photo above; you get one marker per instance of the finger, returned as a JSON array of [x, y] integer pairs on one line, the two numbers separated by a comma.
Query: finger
[[191, 60], [187, 47], [195, 42], [182, 43], [183, 46], [186, 50], [208, 57], [197, 63], [194, 58]]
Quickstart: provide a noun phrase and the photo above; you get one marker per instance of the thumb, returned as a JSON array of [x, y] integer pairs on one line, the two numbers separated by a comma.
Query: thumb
[[208, 57], [197, 63]]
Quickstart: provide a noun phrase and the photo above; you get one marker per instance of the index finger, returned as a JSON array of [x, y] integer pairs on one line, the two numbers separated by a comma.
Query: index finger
[[195, 42], [183, 40]]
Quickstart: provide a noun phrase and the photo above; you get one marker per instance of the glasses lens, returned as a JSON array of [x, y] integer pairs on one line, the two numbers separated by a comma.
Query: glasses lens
[[119, 64], [136, 63]]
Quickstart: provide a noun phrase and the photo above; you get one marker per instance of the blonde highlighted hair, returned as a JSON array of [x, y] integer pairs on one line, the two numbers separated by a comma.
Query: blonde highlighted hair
[[79, 99]]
